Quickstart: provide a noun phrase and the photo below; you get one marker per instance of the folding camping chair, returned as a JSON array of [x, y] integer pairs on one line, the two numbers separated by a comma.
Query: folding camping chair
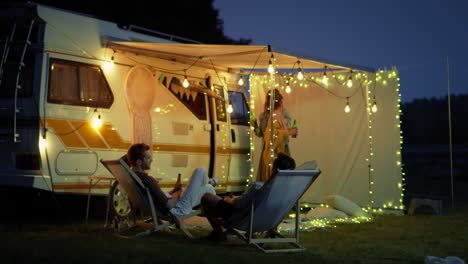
[[140, 197], [269, 206]]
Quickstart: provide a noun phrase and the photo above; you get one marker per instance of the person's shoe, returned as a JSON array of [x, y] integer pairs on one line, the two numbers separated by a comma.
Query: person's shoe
[[214, 181]]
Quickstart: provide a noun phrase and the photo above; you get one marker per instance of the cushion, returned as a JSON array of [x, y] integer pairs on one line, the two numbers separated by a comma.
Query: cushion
[[343, 204], [324, 212]]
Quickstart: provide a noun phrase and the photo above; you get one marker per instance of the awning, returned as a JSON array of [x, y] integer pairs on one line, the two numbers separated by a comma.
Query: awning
[[245, 57]]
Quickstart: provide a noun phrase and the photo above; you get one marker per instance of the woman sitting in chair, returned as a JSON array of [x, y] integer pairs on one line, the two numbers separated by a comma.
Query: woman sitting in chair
[[177, 201], [216, 207]]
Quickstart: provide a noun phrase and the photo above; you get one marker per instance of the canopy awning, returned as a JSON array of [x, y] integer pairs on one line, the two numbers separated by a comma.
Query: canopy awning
[[247, 57]]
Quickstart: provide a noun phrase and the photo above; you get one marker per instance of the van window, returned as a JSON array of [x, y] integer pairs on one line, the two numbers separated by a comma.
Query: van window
[[220, 105], [192, 99], [74, 83], [240, 109]]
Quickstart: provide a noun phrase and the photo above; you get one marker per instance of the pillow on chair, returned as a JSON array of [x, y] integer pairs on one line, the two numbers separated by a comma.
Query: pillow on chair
[[343, 204]]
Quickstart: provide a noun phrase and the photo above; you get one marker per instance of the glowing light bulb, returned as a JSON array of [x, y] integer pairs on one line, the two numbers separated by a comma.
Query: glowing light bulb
[[347, 109], [96, 122], [42, 143], [374, 107], [241, 80], [325, 79], [288, 89], [349, 83], [271, 69], [300, 75], [185, 84], [230, 109]]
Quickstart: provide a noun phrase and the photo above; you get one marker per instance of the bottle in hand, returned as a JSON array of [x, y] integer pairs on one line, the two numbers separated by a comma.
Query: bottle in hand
[[294, 125], [178, 184]]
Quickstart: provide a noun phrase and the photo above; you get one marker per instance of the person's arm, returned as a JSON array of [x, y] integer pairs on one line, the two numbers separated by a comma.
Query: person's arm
[[259, 130], [287, 116]]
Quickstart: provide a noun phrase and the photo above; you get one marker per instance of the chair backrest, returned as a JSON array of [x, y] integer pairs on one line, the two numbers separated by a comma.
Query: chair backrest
[[276, 198], [130, 182]]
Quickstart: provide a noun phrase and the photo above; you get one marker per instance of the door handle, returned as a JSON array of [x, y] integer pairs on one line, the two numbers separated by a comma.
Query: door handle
[[233, 135]]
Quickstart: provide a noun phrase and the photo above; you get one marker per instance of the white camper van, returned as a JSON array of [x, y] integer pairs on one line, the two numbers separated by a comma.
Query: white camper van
[[68, 100]]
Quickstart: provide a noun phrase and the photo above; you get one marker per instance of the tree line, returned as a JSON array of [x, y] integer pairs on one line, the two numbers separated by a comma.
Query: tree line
[[197, 20], [425, 121]]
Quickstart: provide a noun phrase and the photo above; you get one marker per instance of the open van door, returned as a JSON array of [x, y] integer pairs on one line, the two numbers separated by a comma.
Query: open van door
[[240, 141]]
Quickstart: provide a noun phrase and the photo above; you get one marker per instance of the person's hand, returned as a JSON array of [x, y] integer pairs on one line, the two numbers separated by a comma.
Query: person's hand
[[253, 123], [230, 199], [293, 131], [175, 193]]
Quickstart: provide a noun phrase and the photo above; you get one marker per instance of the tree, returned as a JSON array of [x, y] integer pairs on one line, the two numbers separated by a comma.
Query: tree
[[197, 20]]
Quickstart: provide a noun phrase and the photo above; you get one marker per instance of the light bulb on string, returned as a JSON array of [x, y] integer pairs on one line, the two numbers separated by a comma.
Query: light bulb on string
[[300, 75], [96, 121], [347, 109], [325, 77], [185, 83], [241, 80], [271, 69], [230, 109], [374, 107], [288, 88], [349, 82]]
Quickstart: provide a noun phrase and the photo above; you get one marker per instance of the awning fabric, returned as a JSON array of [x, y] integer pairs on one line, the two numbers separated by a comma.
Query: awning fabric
[[247, 57]]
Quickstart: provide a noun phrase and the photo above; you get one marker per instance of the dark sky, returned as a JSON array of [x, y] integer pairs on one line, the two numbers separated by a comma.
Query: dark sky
[[416, 36]]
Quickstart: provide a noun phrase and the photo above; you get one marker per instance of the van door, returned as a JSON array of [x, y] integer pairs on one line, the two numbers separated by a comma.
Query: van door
[[221, 139], [239, 140]]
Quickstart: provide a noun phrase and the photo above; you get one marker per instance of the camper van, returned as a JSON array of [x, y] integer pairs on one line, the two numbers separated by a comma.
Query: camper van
[[75, 90], [68, 100]]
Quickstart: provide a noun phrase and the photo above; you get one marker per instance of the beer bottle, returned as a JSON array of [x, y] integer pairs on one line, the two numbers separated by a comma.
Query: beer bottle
[[294, 125], [178, 184], [253, 120]]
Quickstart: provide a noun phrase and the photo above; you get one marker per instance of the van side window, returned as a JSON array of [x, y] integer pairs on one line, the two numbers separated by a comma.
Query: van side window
[[240, 109], [220, 105], [192, 99], [74, 83]]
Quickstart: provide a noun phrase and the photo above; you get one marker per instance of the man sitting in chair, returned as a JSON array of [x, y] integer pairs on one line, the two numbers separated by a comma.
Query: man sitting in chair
[[177, 201], [215, 207]]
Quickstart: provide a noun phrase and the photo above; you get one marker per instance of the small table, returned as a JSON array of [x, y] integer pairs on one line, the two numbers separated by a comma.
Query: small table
[[97, 179]]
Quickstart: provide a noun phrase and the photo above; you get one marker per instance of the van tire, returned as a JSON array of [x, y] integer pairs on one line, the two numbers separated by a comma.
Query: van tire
[[120, 205]]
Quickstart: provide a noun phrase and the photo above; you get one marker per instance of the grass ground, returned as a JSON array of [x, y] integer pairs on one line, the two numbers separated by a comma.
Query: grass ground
[[387, 239]]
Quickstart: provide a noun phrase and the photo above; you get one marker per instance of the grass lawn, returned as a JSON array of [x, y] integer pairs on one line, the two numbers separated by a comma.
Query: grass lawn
[[387, 239]]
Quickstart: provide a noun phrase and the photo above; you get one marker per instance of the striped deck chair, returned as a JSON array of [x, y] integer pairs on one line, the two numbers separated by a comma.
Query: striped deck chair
[[140, 197]]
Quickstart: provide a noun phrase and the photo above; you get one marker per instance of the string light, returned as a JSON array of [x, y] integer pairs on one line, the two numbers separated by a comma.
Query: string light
[[325, 77], [96, 121], [271, 69], [374, 107], [288, 88], [241, 80], [186, 83], [300, 75], [349, 83], [347, 109]]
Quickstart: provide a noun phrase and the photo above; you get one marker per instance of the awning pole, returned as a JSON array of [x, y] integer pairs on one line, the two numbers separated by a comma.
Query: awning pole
[[450, 132]]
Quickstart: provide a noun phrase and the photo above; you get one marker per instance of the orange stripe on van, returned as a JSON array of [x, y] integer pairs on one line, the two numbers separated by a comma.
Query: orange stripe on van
[[88, 133], [65, 132], [113, 138], [181, 148]]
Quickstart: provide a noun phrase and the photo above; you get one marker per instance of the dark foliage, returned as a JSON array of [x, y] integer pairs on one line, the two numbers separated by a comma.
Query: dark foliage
[[197, 20], [425, 121]]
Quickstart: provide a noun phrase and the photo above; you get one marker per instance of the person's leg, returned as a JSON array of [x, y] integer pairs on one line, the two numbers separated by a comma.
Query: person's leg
[[191, 197], [216, 208]]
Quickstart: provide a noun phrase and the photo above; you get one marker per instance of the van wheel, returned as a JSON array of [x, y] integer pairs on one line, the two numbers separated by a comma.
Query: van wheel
[[121, 207]]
